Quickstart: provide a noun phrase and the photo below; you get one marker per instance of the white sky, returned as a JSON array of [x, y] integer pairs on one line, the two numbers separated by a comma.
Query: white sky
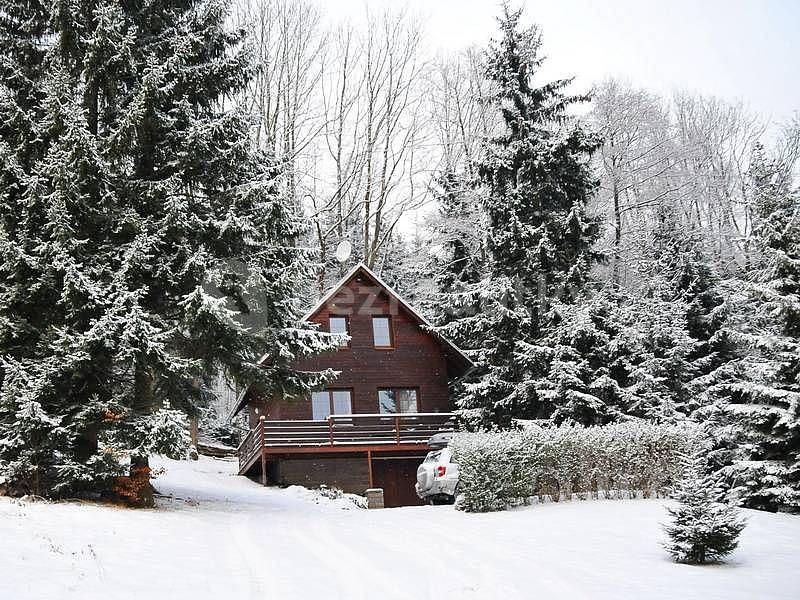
[[734, 49]]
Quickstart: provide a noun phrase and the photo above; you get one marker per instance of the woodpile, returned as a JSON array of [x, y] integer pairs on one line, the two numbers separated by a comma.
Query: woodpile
[[208, 447]]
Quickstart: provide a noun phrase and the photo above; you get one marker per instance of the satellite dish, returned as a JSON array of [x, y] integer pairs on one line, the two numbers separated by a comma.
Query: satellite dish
[[343, 251]]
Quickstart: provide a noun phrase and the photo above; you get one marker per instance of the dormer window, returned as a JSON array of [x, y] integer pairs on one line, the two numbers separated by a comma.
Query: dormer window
[[382, 332], [339, 325]]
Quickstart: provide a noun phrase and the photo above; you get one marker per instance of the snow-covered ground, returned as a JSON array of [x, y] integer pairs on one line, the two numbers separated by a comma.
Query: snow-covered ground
[[225, 537]]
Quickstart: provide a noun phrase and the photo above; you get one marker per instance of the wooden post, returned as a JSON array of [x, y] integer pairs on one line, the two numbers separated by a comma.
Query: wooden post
[[397, 428], [261, 420], [369, 466], [330, 429]]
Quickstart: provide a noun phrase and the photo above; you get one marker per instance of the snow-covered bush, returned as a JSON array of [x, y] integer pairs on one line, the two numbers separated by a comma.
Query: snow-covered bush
[[164, 432], [703, 529], [620, 460], [492, 469], [219, 428]]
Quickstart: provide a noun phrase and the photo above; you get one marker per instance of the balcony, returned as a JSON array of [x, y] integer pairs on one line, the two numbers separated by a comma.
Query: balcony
[[362, 433]]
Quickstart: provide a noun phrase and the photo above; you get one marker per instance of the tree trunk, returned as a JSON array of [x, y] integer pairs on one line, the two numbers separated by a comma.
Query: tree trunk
[[617, 235], [86, 444], [140, 487], [140, 492]]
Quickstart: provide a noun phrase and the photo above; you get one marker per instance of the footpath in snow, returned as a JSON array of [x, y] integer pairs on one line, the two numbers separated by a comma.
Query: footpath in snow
[[219, 536]]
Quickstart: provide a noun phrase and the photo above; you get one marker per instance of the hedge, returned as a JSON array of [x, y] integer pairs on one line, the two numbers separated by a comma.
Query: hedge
[[624, 460]]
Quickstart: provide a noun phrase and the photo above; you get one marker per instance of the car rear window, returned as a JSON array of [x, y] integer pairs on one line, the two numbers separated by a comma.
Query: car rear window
[[433, 456]]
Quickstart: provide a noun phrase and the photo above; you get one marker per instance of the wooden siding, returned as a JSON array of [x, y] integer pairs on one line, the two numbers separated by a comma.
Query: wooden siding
[[416, 361], [349, 474], [395, 473]]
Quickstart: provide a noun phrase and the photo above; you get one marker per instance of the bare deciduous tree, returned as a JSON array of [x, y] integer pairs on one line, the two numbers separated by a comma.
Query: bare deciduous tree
[[636, 158], [688, 155], [373, 172], [461, 114], [288, 40]]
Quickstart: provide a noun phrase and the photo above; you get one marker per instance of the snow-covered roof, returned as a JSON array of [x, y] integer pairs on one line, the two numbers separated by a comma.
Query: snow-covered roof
[[335, 288]]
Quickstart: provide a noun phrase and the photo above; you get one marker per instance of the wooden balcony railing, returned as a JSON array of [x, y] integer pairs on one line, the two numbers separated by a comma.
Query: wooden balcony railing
[[342, 430]]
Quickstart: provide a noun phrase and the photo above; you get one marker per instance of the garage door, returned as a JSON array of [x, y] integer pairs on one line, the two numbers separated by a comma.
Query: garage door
[[397, 477]]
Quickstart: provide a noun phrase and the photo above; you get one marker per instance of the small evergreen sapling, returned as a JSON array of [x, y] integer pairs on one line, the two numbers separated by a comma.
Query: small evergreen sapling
[[703, 529]]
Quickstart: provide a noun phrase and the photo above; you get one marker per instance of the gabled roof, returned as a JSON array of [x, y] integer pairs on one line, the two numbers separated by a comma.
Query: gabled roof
[[458, 355], [370, 274], [336, 287]]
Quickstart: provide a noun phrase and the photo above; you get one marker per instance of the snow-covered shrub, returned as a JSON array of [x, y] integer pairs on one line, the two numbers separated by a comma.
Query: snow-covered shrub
[[329, 495], [703, 529], [165, 432], [619, 460], [219, 428], [332, 493], [492, 467]]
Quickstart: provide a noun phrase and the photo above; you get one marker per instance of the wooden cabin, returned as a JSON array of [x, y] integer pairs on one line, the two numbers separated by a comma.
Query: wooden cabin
[[369, 427]]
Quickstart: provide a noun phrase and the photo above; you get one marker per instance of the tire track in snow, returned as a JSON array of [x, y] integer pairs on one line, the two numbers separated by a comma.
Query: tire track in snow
[[334, 553], [247, 554]]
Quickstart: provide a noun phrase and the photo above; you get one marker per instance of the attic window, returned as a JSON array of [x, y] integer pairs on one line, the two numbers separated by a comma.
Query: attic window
[[382, 332], [339, 325]]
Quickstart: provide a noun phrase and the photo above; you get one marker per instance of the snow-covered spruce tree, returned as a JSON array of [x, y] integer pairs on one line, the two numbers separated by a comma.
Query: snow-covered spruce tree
[[677, 303], [460, 255], [579, 381], [681, 268], [703, 529], [451, 253], [647, 350], [455, 248], [138, 224], [453, 257], [757, 409], [612, 355], [539, 235]]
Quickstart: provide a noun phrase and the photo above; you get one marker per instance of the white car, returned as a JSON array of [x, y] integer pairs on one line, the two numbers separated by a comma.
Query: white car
[[437, 478]]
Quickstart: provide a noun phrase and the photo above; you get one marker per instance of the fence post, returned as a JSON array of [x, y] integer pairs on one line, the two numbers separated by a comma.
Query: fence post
[[263, 451], [330, 429], [369, 468], [397, 428]]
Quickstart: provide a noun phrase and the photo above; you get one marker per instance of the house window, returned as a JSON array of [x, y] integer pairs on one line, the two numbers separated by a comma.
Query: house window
[[382, 332], [330, 402], [397, 400], [339, 325]]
